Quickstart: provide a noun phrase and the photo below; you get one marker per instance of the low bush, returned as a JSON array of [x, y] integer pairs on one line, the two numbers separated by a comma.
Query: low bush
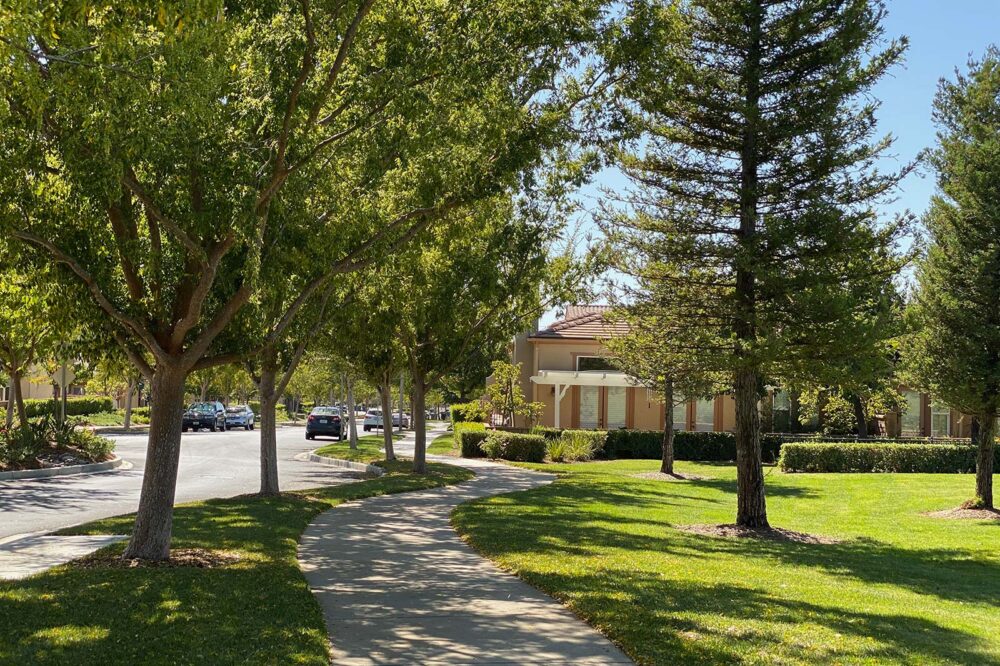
[[576, 445], [517, 447], [469, 412], [547, 432], [867, 457], [469, 438], [74, 406], [711, 446], [21, 445]]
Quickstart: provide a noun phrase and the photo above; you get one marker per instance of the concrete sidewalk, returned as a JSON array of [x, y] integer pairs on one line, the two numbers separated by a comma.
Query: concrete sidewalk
[[397, 585]]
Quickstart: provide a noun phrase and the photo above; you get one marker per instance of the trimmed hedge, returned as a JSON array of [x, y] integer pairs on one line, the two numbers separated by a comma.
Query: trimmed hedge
[[712, 446], [547, 432], [74, 406], [468, 412], [895, 458], [577, 445], [470, 438], [514, 446]]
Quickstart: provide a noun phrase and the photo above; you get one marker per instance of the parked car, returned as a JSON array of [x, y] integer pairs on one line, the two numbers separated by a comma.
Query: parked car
[[406, 420], [373, 420], [211, 415], [240, 416], [325, 421]]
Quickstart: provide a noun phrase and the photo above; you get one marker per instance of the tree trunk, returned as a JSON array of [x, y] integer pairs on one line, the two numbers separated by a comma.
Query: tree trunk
[[751, 509], [419, 425], [269, 486], [10, 403], [204, 390], [984, 465], [793, 412], [859, 415], [390, 453], [667, 462], [401, 399], [22, 415], [352, 425], [154, 518], [129, 390]]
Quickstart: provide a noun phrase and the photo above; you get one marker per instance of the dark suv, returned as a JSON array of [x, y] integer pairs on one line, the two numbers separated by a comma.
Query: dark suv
[[211, 415], [325, 421]]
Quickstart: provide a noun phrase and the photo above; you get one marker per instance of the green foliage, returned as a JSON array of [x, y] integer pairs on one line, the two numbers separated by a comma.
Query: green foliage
[[81, 406], [953, 351], [469, 412], [514, 446], [870, 457], [469, 438], [20, 445], [688, 445], [547, 432], [505, 397], [576, 445]]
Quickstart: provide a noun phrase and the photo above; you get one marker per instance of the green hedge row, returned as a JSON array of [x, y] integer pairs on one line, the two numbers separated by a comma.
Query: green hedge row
[[74, 406], [867, 457], [514, 446], [470, 438], [468, 412], [714, 446]]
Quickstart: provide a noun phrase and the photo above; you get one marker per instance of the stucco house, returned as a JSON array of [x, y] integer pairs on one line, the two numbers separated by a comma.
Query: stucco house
[[565, 367]]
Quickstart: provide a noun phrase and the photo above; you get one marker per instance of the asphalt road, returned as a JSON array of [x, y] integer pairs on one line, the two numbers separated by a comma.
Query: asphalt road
[[213, 464]]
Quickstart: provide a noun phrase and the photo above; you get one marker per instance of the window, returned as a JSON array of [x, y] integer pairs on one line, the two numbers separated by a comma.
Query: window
[[616, 396], [781, 409], [910, 422], [680, 416], [940, 419], [704, 415], [590, 406], [598, 363]]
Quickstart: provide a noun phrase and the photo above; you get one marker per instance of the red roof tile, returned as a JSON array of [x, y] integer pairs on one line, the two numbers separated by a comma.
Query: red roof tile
[[583, 322]]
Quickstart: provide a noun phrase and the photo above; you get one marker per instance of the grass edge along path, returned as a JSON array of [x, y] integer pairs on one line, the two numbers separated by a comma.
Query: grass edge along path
[[369, 449], [900, 588], [256, 610]]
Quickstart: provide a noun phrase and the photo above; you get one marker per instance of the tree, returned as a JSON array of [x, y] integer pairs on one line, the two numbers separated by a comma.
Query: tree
[[506, 398], [751, 150], [955, 345], [114, 374], [173, 136]]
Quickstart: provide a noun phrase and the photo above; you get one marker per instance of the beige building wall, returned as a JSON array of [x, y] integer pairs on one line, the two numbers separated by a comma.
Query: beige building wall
[[647, 412]]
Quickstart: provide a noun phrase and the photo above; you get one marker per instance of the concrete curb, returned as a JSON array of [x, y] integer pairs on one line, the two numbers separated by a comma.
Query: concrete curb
[[374, 470], [49, 472]]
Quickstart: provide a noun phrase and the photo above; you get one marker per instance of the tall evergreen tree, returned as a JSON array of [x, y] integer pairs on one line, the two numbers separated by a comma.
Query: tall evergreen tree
[[753, 157], [956, 310]]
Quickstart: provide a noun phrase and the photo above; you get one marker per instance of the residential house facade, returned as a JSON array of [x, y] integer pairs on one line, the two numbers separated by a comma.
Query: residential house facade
[[565, 367]]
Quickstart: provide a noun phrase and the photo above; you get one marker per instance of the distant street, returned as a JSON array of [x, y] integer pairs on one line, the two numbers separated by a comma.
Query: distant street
[[213, 464]]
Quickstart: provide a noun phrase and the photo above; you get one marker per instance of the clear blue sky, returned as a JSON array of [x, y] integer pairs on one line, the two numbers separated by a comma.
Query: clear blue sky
[[943, 34]]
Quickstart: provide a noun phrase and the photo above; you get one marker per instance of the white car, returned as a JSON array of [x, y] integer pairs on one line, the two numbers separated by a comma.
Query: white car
[[373, 419]]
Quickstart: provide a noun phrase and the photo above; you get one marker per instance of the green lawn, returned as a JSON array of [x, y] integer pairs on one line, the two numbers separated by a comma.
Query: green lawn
[[900, 588], [369, 449], [255, 611], [443, 445]]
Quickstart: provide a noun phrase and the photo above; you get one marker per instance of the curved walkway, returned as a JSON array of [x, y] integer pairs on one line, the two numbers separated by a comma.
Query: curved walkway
[[398, 586]]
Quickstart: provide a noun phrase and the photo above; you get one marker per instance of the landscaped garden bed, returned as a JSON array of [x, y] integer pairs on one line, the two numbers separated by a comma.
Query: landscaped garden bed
[[45, 443], [876, 581]]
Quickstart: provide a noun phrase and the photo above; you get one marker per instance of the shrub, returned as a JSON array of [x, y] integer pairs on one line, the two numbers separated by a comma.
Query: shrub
[[469, 412], [577, 445], [547, 432], [470, 437], [74, 406], [94, 447], [713, 446], [514, 446], [878, 457]]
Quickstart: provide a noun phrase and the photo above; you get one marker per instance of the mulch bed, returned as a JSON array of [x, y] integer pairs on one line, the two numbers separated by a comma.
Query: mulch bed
[[199, 558], [962, 513], [676, 476], [769, 533]]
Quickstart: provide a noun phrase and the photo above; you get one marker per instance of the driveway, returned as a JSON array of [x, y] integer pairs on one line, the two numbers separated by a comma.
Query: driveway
[[213, 464]]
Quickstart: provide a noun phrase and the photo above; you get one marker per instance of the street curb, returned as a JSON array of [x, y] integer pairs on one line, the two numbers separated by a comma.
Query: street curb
[[374, 470], [49, 472]]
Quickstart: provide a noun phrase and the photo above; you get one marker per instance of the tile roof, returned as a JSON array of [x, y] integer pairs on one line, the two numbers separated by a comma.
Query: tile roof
[[583, 322]]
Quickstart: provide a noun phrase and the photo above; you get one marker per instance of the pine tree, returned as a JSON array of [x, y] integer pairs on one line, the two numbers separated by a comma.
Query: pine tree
[[753, 151], [956, 309]]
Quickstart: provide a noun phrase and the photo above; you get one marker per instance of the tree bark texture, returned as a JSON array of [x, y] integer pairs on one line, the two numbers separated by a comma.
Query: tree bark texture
[[419, 424], [269, 485], [15, 380], [667, 461], [751, 510], [859, 415], [129, 390], [352, 424], [154, 519], [984, 464]]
